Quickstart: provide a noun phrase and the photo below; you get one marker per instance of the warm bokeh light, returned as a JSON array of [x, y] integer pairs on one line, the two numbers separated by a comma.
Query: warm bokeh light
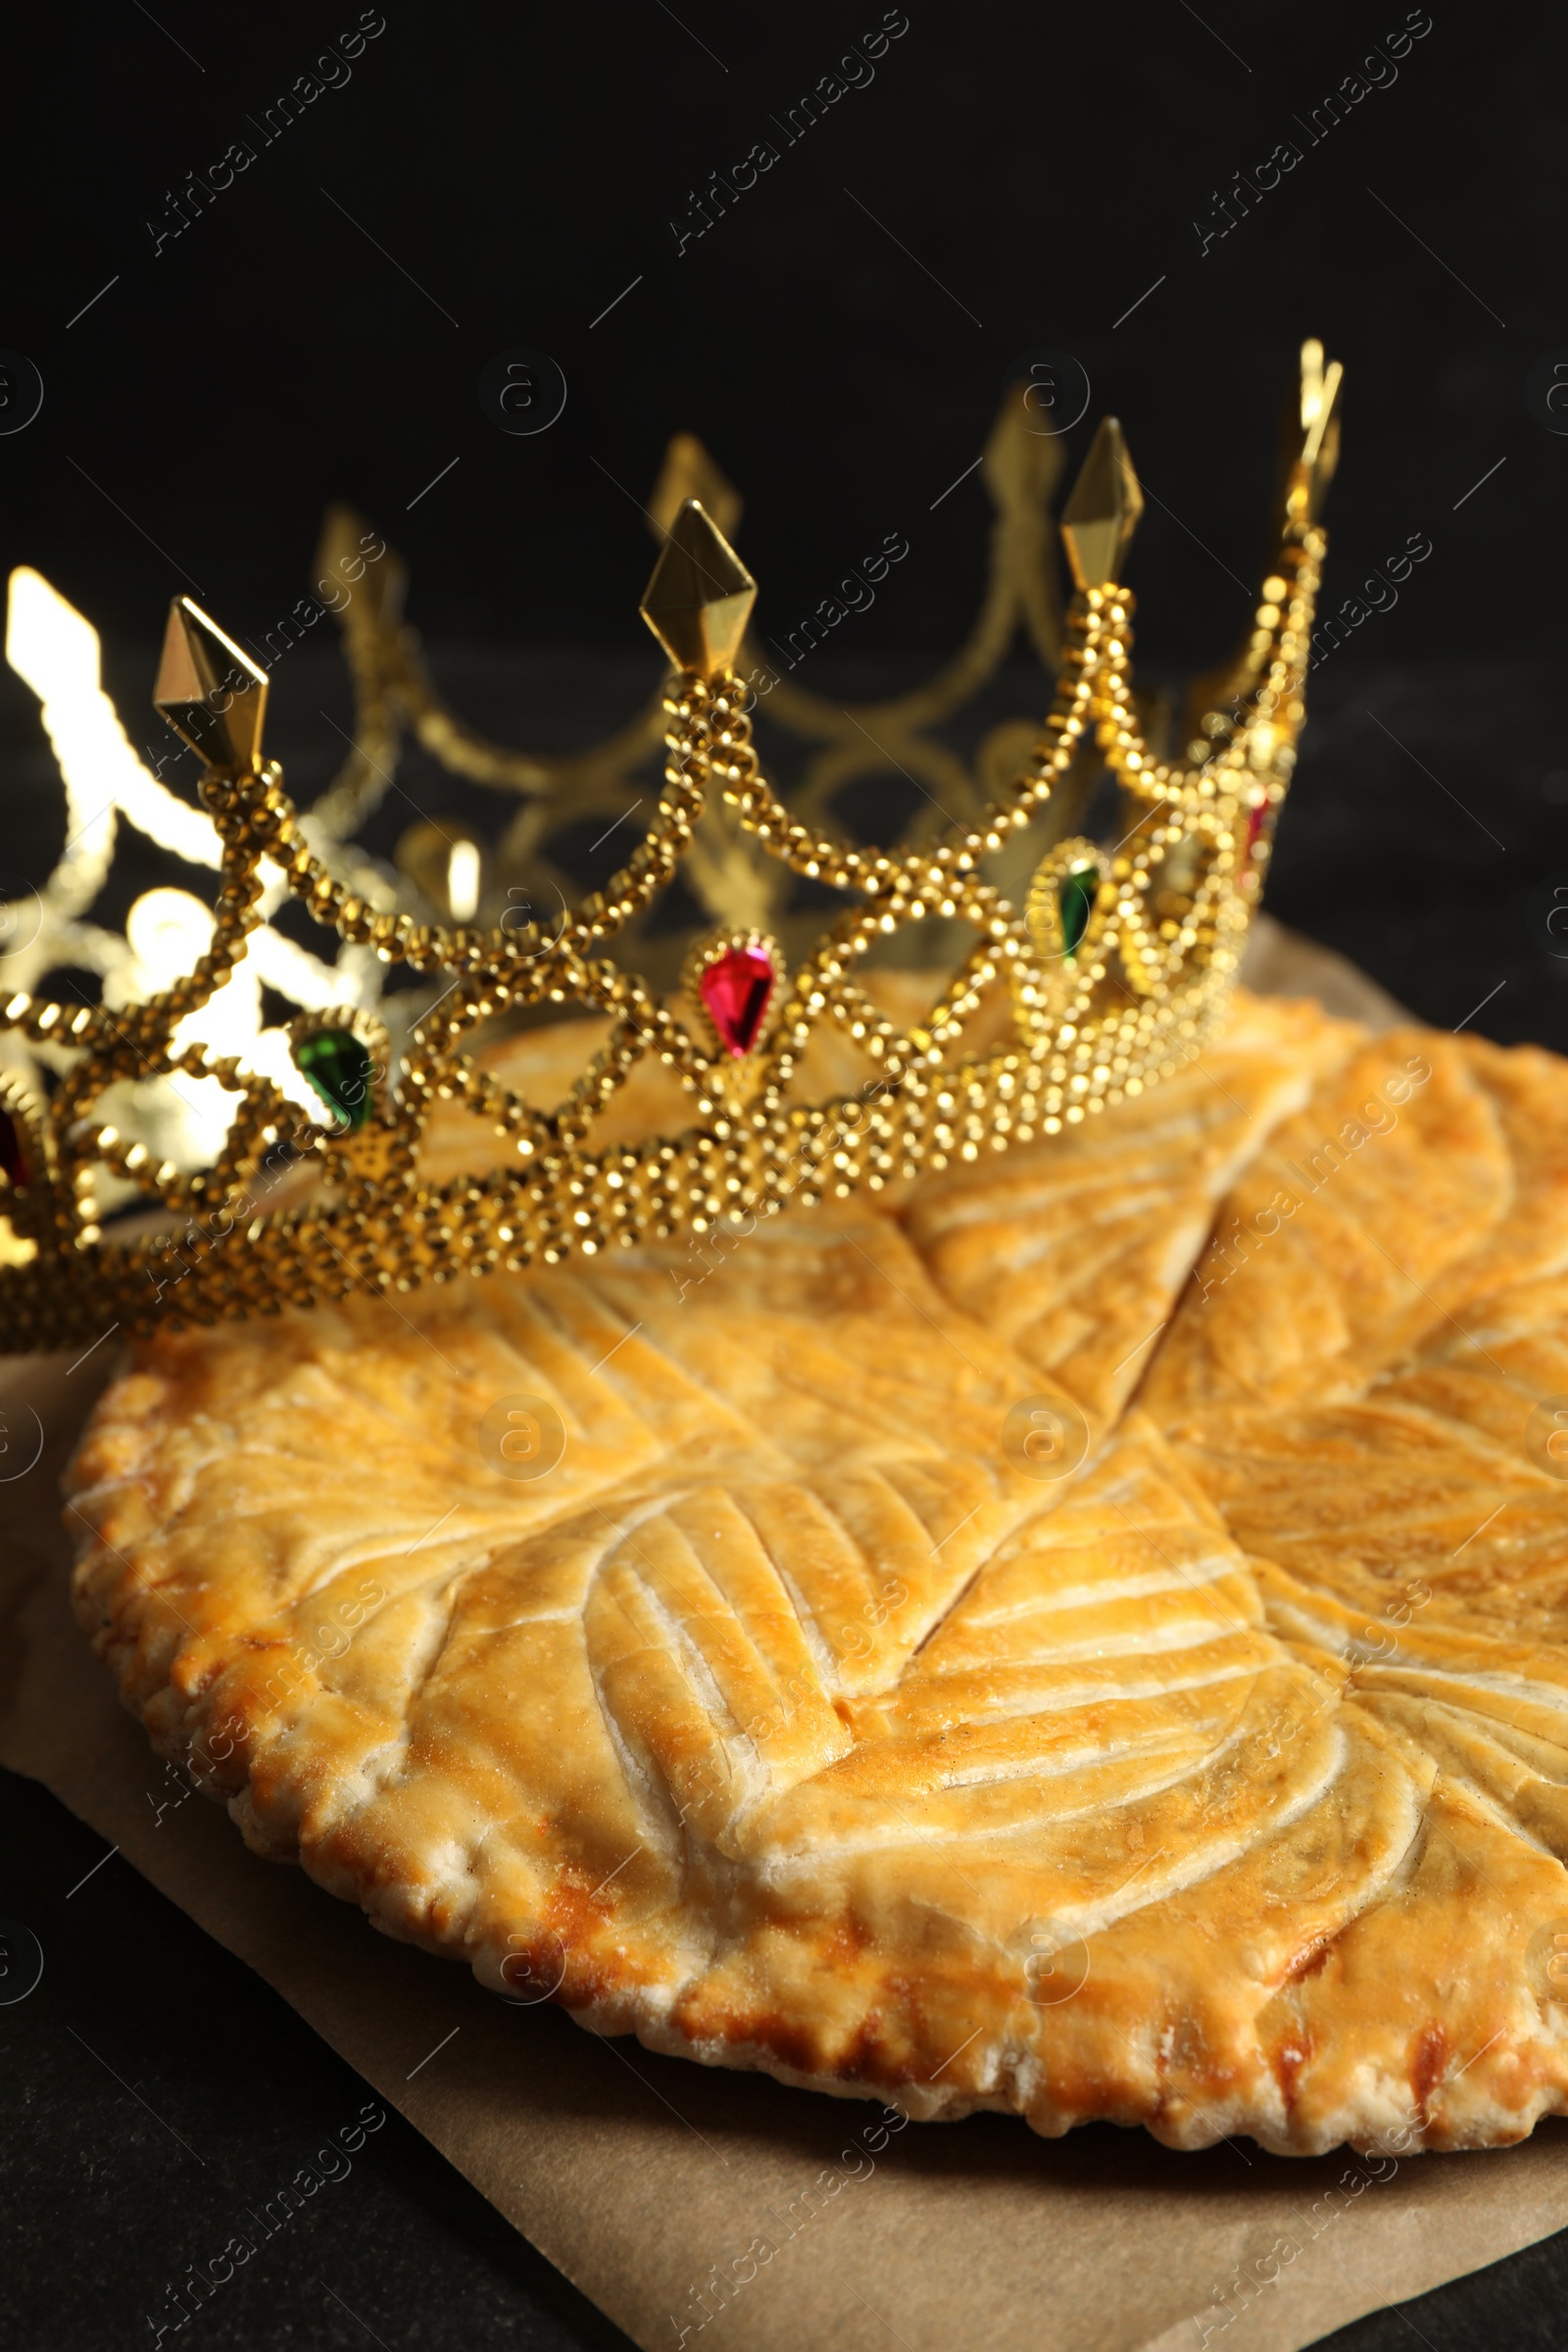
[[56, 650]]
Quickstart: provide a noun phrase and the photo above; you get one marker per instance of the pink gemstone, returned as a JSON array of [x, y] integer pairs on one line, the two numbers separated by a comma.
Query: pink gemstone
[[11, 1158], [1256, 821], [735, 988]]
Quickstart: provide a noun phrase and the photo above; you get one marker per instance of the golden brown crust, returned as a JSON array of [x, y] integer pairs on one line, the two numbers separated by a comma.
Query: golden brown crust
[[794, 1721], [1074, 1249]]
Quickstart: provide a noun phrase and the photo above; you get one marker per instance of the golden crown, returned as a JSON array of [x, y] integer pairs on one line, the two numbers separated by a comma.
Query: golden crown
[[296, 1162]]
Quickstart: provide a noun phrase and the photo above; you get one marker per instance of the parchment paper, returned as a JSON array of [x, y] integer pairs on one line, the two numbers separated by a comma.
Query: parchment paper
[[685, 2201]]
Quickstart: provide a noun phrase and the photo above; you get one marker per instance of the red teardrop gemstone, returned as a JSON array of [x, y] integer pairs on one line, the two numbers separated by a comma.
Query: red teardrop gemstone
[[12, 1157], [735, 988]]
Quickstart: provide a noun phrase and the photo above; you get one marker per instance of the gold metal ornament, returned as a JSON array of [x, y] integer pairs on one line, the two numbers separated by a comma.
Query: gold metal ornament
[[1314, 468], [1112, 976], [700, 598], [688, 471], [1099, 518], [210, 691]]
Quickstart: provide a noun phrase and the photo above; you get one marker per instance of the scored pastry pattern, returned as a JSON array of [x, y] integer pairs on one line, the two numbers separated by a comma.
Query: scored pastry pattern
[[800, 1716]]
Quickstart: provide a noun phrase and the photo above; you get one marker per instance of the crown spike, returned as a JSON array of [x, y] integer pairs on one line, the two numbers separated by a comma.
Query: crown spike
[[700, 595], [1314, 468], [365, 589], [1311, 380], [689, 470], [1019, 465], [1101, 516], [210, 691]]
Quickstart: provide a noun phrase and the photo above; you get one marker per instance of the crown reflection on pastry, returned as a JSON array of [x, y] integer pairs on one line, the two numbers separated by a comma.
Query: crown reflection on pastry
[[1112, 975]]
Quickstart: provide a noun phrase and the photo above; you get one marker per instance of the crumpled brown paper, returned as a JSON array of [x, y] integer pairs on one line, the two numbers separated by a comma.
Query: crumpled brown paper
[[689, 2202]]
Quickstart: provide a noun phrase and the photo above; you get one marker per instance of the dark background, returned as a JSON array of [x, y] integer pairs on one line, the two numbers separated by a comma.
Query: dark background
[[1032, 173], [1021, 176], [1042, 168]]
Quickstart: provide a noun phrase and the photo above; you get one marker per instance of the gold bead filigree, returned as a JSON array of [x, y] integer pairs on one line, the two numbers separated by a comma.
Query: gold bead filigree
[[1113, 975]]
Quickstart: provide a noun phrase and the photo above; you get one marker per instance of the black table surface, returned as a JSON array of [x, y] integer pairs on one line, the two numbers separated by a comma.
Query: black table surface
[[153, 2087]]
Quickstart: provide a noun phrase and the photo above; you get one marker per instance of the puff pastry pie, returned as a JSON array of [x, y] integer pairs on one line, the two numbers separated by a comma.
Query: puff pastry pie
[[1092, 1641]]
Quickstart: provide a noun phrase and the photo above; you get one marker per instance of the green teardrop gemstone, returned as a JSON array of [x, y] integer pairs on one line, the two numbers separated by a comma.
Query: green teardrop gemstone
[[339, 1067], [1075, 900]]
